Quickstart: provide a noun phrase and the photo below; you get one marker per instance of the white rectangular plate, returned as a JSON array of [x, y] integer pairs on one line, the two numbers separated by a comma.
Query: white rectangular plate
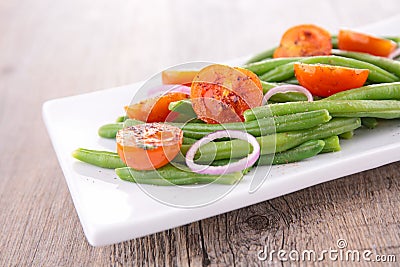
[[112, 210]]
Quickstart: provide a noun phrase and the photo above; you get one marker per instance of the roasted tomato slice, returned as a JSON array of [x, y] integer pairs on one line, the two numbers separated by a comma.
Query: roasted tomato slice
[[360, 42], [221, 93], [326, 80], [154, 109], [303, 41], [148, 146], [184, 77]]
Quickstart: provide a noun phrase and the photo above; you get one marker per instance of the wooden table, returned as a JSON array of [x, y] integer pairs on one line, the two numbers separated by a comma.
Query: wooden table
[[51, 49]]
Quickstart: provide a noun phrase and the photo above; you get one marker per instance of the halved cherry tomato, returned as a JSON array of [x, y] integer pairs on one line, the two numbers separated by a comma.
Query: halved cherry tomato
[[148, 146], [154, 109], [326, 80], [360, 42], [251, 75], [303, 41], [184, 77], [221, 93]]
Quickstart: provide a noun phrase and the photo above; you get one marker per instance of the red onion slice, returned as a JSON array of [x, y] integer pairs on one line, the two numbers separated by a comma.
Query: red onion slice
[[181, 89], [169, 88], [230, 167], [395, 53], [288, 88]]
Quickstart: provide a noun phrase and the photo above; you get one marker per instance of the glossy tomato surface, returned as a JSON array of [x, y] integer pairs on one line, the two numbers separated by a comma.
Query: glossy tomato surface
[[154, 109], [325, 80], [360, 42]]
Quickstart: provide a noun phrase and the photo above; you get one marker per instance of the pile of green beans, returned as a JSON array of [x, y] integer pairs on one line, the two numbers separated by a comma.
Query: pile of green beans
[[289, 129], [290, 146], [306, 150], [303, 130]]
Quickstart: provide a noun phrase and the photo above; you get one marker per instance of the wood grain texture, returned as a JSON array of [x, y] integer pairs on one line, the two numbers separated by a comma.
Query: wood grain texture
[[51, 49]]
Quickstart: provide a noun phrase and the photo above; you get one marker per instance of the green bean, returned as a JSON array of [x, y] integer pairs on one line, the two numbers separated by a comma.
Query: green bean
[[382, 62], [286, 71], [263, 66], [385, 109], [180, 157], [223, 162], [188, 140], [263, 55], [175, 175], [110, 130], [223, 150], [282, 97], [275, 142], [104, 159], [301, 152], [370, 123], [291, 122], [291, 81], [184, 108], [297, 121], [285, 141], [383, 91], [331, 144], [395, 39], [268, 86], [287, 97], [121, 118], [334, 41], [306, 150], [347, 135]]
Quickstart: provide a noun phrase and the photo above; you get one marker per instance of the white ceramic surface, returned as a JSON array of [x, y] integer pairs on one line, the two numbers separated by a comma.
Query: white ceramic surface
[[112, 210]]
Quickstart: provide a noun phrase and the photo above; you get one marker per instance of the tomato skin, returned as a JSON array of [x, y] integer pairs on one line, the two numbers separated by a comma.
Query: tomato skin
[[154, 109], [251, 75], [360, 42], [149, 146], [184, 77], [325, 80], [303, 41], [221, 93]]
